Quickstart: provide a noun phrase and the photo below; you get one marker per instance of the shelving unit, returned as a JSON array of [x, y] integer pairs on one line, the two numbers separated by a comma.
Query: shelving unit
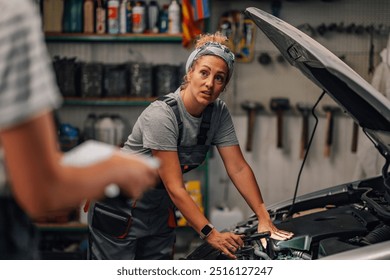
[[125, 101], [110, 38]]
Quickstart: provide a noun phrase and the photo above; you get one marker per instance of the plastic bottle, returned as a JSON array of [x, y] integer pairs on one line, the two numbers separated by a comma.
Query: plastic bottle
[[174, 18], [100, 14], [105, 129], [73, 16], [153, 15], [138, 18], [113, 16], [88, 16], [163, 20], [89, 127], [123, 16], [119, 130]]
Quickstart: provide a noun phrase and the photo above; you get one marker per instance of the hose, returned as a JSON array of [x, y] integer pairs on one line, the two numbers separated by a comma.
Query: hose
[[259, 253], [377, 235], [300, 254]]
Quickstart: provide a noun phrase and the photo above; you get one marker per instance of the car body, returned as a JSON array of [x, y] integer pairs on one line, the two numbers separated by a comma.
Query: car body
[[348, 221]]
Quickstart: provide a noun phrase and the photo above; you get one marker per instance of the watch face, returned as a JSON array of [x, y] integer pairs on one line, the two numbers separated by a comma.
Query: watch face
[[206, 230]]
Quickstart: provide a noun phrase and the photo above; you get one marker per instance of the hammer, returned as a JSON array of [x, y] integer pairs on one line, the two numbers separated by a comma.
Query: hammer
[[279, 105], [304, 109], [251, 107], [330, 111]]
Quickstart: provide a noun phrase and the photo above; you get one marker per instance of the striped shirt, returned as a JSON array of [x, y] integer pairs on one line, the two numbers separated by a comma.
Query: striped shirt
[[27, 83]]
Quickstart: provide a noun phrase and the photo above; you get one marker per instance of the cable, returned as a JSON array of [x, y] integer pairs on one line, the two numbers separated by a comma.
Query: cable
[[306, 153], [385, 168]]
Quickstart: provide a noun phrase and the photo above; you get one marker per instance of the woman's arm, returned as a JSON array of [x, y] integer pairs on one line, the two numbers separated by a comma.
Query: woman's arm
[[243, 178], [42, 184], [171, 175]]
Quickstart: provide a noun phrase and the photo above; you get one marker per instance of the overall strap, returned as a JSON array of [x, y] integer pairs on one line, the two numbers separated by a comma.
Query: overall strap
[[175, 108], [205, 124]]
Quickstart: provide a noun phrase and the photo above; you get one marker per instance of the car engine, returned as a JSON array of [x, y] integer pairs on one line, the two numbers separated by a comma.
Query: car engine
[[324, 223]]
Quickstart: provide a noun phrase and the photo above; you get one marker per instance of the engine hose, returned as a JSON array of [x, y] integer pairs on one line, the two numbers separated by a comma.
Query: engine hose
[[377, 235], [258, 252], [261, 254], [300, 254]]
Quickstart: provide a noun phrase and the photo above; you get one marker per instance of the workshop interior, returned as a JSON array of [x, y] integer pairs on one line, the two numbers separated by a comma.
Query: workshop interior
[[309, 98]]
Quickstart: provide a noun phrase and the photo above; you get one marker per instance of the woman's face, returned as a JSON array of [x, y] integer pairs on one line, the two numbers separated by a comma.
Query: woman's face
[[208, 79]]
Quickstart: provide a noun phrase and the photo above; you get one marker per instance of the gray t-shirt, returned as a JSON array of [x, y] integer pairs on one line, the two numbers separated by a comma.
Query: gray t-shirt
[[27, 84], [157, 128]]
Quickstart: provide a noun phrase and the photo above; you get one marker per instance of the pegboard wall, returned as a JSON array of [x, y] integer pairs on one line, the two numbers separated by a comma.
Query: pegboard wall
[[351, 29]]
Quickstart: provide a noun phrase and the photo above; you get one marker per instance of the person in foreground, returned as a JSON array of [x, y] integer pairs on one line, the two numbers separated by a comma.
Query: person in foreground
[[33, 180], [178, 129]]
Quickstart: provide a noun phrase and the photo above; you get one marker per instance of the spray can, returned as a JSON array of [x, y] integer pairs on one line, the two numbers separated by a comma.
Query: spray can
[[174, 18], [113, 16], [138, 18]]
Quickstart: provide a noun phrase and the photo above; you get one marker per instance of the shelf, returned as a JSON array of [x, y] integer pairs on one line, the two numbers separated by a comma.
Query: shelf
[[108, 101], [88, 38]]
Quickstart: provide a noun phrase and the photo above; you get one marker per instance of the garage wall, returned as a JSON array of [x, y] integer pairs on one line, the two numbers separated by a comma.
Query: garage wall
[[276, 169]]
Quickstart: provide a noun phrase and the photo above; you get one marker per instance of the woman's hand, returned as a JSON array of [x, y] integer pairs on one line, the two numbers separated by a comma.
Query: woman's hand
[[276, 233], [226, 242]]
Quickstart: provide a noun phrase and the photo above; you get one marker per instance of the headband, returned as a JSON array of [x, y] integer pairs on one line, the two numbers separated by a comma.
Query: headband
[[212, 48]]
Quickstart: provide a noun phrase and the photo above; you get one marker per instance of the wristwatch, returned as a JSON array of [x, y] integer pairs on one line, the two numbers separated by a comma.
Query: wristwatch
[[206, 231]]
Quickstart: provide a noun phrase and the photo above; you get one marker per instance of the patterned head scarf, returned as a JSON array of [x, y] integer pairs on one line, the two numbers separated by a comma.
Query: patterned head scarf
[[212, 48]]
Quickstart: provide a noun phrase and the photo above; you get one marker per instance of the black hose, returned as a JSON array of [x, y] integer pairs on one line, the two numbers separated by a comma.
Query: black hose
[[300, 254], [379, 234]]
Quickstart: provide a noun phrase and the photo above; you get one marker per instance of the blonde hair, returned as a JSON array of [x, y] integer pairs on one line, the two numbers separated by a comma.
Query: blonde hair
[[217, 37]]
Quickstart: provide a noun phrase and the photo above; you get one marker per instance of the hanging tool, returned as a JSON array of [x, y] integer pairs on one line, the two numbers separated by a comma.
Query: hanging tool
[[251, 107], [355, 136], [330, 112], [279, 106], [371, 66], [304, 109]]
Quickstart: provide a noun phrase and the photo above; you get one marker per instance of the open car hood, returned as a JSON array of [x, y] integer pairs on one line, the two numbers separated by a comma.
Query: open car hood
[[348, 221], [368, 107]]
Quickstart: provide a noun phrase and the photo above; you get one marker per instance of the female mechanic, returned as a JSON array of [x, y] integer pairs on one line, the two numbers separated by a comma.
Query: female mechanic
[[179, 129]]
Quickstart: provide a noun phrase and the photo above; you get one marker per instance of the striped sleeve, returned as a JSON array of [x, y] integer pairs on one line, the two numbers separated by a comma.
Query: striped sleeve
[[27, 82]]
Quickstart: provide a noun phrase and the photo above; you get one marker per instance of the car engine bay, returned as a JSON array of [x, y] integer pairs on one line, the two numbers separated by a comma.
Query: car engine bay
[[325, 223]]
